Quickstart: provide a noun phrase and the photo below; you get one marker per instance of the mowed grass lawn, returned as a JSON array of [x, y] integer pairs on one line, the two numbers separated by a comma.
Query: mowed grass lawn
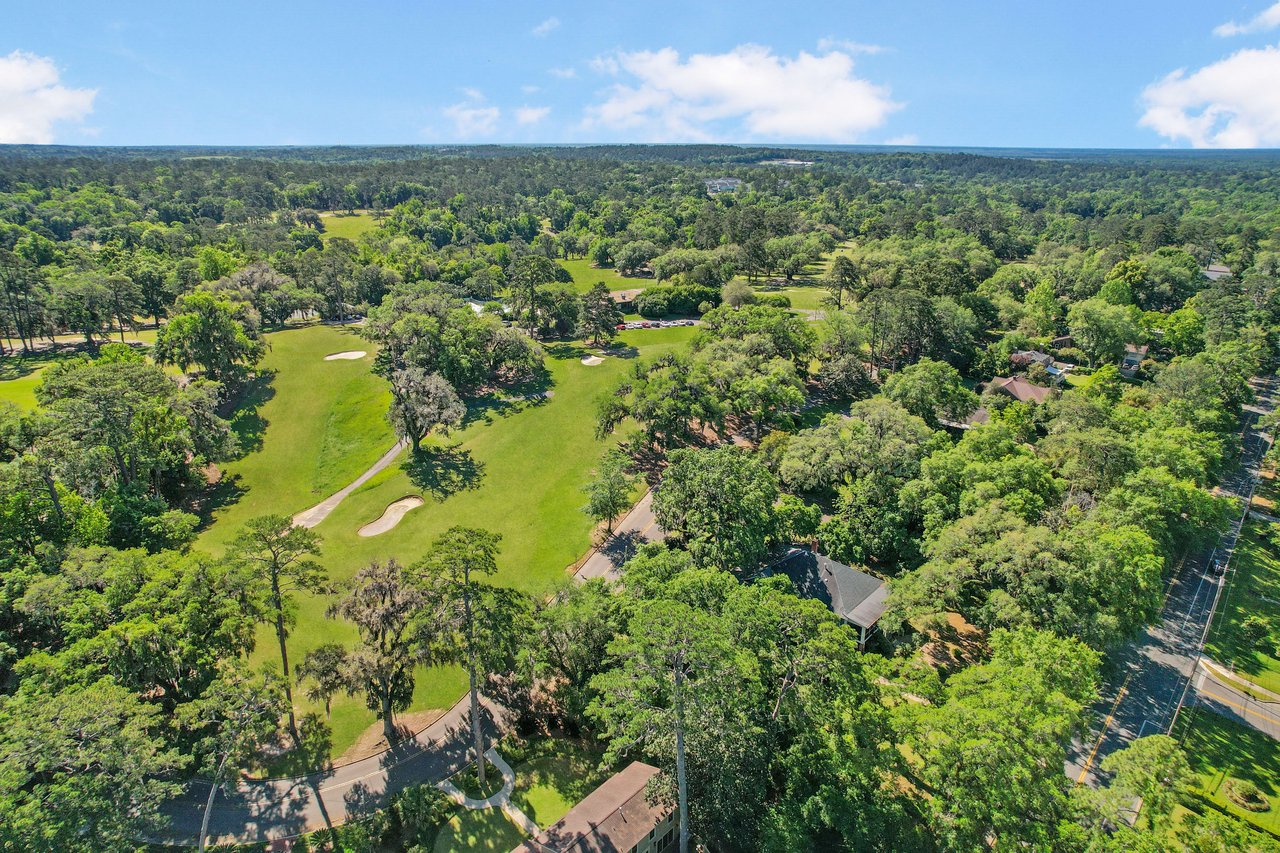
[[585, 276], [19, 376], [548, 786], [487, 829], [1254, 591], [516, 469], [350, 227], [1220, 749]]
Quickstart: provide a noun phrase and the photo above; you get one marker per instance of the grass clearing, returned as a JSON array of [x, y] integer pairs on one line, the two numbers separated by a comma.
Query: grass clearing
[[585, 276], [516, 468], [351, 227], [1254, 591], [1220, 749]]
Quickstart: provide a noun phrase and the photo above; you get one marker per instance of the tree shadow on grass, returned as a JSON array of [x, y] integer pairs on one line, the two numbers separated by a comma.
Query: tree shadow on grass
[[566, 350], [17, 365], [246, 421], [225, 492], [443, 471], [509, 399]]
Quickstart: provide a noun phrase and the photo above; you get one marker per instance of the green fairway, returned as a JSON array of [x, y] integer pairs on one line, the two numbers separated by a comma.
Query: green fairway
[[350, 227], [19, 374], [516, 468], [19, 377], [1254, 591], [585, 276], [805, 297], [1220, 749], [306, 430]]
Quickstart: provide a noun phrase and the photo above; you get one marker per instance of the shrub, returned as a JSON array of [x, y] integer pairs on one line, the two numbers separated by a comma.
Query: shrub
[[773, 300], [678, 299], [1256, 629], [1246, 795], [421, 810]]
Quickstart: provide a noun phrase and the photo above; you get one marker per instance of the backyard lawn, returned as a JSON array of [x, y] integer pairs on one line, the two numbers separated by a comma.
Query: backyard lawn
[[516, 467], [551, 784], [488, 829], [1220, 749], [1255, 591]]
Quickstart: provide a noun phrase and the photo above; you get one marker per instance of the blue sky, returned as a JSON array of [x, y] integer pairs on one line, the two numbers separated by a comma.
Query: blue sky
[[1089, 73]]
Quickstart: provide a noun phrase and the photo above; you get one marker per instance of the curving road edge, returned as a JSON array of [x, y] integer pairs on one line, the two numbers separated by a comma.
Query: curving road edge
[[263, 810]]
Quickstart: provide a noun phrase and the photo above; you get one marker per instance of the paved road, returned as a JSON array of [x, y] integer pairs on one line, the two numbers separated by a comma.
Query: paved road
[[636, 528], [1153, 673], [1221, 697], [266, 810], [319, 512]]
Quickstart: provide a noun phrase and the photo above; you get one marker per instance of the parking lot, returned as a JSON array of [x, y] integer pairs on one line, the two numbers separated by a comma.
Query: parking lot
[[654, 324]]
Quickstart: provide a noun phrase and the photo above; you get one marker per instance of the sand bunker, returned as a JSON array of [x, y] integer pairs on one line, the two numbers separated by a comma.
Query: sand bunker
[[391, 516], [349, 355], [592, 360]]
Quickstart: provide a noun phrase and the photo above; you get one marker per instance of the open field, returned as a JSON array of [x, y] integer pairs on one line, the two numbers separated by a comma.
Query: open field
[[1220, 749], [585, 276], [515, 467], [350, 227], [1255, 591]]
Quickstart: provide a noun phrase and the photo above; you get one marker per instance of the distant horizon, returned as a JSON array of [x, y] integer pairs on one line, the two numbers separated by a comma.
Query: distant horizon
[[869, 147], [1000, 74]]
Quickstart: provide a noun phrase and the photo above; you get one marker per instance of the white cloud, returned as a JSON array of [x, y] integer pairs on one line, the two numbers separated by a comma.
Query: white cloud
[[904, 139], [473, 117], [529, 90], [1268, 19], [32, 99], [748, 92], [546, 27], [1233, 103], [828, 44], [563, 73], [605, 65], [531, 115]]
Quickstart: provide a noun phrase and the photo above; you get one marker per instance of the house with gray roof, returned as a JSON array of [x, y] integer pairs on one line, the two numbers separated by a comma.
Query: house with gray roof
[[856, 597], [617, 817]]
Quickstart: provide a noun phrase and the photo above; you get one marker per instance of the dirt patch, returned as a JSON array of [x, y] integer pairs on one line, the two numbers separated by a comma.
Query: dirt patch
[[371, 741], [391, 516], [955, 645], [592, 360], [349, 355]]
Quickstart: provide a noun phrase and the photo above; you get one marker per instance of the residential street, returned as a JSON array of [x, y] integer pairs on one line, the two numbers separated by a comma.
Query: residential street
[[261, 811], [1220, 696], [635, 529], [1153, 674]]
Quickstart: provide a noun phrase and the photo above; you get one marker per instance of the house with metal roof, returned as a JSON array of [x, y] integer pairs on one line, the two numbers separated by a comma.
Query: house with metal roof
[[1213, 272]]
